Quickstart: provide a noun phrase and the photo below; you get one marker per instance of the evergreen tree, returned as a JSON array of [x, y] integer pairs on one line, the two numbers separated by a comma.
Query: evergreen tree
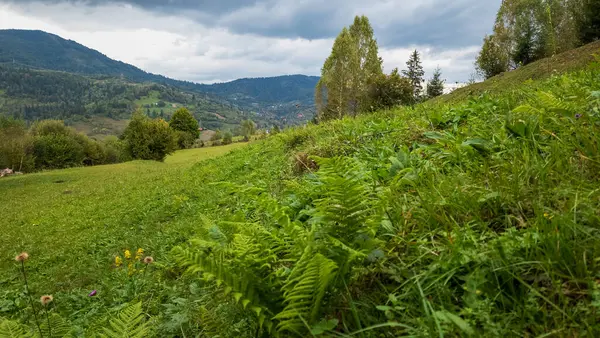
[[435, 87], [348, 72], [415, 73]]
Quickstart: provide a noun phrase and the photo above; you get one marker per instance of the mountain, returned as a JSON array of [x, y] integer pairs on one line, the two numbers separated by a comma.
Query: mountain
[[287, 99]]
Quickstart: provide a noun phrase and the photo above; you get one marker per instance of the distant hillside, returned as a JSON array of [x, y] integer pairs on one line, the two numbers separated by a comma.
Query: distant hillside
[[97, 103], [289, 99]]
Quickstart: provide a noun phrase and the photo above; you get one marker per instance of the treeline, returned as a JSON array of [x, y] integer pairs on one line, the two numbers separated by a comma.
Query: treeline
[[352, 79], [528, 30], [50, 144]]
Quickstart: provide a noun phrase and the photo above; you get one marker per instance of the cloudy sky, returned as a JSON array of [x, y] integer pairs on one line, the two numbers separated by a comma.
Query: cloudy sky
[[219, 40]]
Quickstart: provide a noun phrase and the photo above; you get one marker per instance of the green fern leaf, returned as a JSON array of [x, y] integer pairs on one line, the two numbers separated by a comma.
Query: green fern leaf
[[130, 323], [13, 329], [304, 292]]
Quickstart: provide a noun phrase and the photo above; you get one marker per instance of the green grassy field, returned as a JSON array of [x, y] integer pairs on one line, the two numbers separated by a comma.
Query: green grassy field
[[74, 221]]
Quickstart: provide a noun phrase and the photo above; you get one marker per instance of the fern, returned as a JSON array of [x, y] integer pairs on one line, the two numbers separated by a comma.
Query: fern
[[304, 291], [59, 328], [13, 329], [130, 323]]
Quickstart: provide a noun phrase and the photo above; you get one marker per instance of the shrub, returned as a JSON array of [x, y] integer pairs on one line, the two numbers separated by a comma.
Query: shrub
[[16, 145], [148, 139], [57, 151], [228, 138], [390, 90], [186, 126]]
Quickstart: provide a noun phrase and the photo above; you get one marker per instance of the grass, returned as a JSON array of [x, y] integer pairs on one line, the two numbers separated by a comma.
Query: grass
[[73, 221], [476, 218], [568, 61]]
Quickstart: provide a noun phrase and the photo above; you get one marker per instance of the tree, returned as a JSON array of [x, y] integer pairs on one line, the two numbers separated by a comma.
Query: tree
[[435, 87], [148, 139], [347, 73], [186, 126], [492, 59], [415, 73], [391, 90], [587, 17], [16, 145], [248, 129], [228, 138], [526, 31]]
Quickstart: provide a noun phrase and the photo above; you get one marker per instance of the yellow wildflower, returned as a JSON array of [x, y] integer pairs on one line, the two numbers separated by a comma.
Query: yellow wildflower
[[139, 253], [118, 261], [130, 269], [127, 254]]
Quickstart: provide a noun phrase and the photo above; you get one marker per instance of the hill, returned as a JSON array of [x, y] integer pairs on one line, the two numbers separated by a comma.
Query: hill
[[571, 60], [99, 104], [284, 98], [477, 217]]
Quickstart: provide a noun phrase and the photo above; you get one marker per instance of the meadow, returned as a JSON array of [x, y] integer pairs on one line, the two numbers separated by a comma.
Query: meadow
[[478, 217]]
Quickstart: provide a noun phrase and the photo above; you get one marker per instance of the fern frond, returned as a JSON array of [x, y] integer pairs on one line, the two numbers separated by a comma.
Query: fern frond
[[304, 291], [13, 329], [347, 205], [59, 328], [130, 323]]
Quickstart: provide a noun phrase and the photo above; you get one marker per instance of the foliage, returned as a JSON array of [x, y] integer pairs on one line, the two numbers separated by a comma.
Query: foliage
[[587, 20], [129, 323], [414, 72], [348, 72], [16, 145], [391, 90], [526, 31], [228, 138], [435, 86], [491, 60], [148, 139], [186, 125], [248, 129]]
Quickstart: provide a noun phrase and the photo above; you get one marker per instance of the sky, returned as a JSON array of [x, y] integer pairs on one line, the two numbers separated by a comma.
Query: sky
[[210, 41]]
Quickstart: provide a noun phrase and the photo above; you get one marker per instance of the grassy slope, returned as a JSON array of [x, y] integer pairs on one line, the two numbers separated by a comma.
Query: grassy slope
[[73, 220], [450, 206], [569, 61]]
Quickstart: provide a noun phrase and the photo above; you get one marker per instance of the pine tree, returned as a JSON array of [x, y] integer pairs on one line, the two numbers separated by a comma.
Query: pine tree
[[415, 73], [347, 73], [435, 87]]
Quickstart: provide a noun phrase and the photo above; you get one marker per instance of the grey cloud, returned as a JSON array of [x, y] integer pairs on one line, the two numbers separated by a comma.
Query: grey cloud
[[396, 22]]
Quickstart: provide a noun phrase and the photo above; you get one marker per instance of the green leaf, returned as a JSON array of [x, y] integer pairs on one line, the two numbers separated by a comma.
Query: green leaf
[[324, 326], [456, 320]]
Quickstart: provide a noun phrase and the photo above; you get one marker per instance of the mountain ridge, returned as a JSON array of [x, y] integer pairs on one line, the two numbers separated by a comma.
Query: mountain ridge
[[43, 50]]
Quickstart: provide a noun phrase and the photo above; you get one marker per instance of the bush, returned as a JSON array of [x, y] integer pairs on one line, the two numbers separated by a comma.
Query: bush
[[228, 138], [116, 150], [16, 145], [57, 151], [186, 126], [148, 139], [390, 90]]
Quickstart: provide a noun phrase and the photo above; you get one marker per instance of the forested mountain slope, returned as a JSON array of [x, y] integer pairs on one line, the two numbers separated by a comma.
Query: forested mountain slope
[[288, 99]]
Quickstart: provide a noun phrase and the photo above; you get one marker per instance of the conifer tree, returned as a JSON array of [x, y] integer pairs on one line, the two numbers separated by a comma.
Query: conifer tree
[[435, 87], [415, 73]]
